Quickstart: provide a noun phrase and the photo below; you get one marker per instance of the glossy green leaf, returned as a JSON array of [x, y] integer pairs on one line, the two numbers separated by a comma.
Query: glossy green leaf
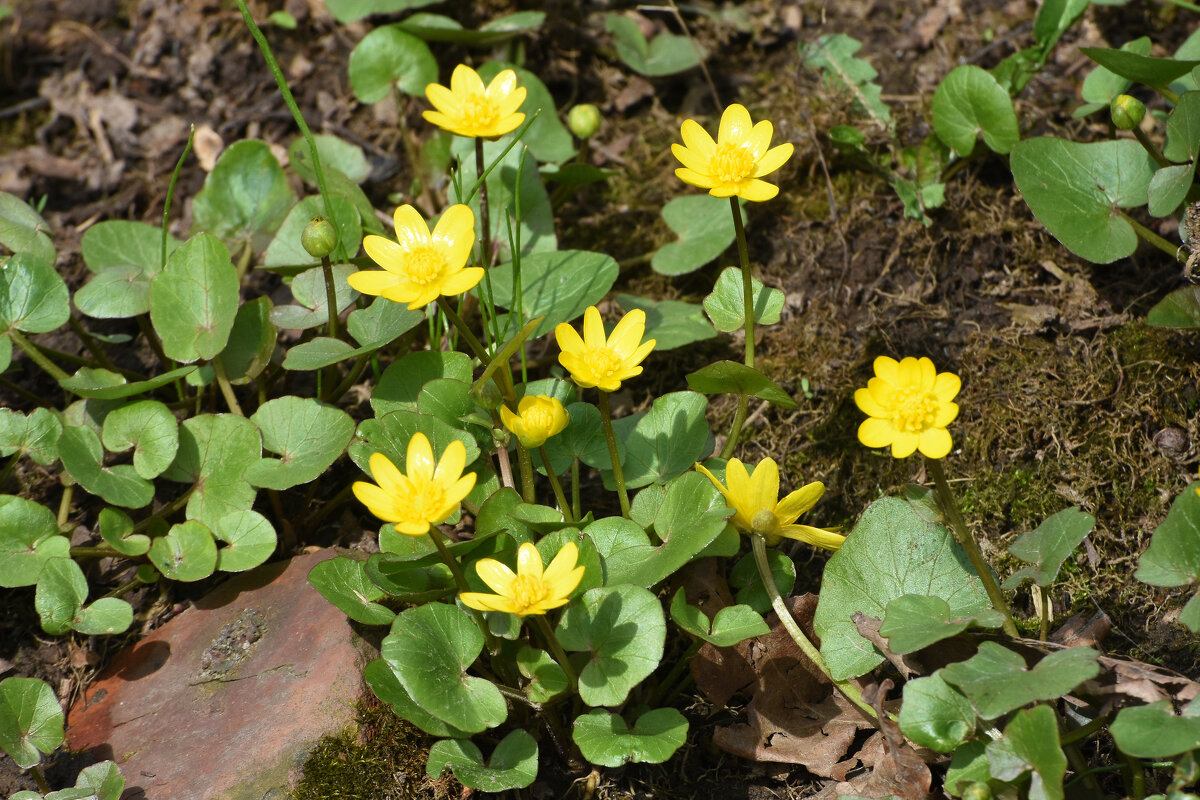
[[318, 353], [347, 11], [35, 435], [150, 429], [61, 592], [1173, 557], [1102, 85], [913, 621], [667, 441], [968, 766], [450, 401], [536, 226], [936, 715], [732, 377], [606, 739], [382, 322], [215, 450], [335, 153], [1179, 309], [387, 687], [30, 720], [391, 434], [194, 300], [1047, 547], [726, 305], [400, 385], [118, 292], [546, 677], [968, 103], [430, 648], [513, 765], [1031, 744], [666, 54], [311, 308], [1075, 188], [1153, 731], [343, 582], [307, 435], [1053, 19], [704, 227], [187, 553], [548, 139], [249, 541], [28, 539], [286, 248], [245, 198], [583, 438], [122, 243], [388, 58], [558, 286], [251, 342], [1140, 68], [104, 617], [732, 624], [101, 781], [83, 458], [116, 529], [1169, 188], [744, 577], [438, 28], [892, 551], [621, 631], [22, 230], [996, 680], [102, 384], [33, 298], [6, 348], [670, 323]]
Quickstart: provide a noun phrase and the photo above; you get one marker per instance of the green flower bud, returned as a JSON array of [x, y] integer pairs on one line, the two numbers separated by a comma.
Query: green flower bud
[[977, 791], [319, 237], [1127, 112], [488, 396], [584, 120]]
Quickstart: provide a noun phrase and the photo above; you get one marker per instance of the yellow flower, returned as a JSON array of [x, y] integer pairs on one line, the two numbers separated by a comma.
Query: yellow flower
[[604, 362], [908, 405], [732, 165], [531, 590], [427, 495], [537, 419], [758, 509], [419, 267], [469, 109]]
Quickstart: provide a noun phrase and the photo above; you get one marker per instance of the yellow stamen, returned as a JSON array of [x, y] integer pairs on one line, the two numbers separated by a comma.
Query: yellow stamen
[[730, 163], [528, 591], [424, 265], [916, 410]]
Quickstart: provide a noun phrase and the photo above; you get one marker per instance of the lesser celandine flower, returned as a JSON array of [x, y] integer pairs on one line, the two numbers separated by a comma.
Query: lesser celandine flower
[[427, 495], [421, 266], [758, 509], [908, 403], [531, 590], [732, 165], [537, 418], [603, 362], [468, 108]]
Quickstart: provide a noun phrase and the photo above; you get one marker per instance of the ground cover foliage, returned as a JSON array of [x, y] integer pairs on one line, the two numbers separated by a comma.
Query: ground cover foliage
[[178, 403]]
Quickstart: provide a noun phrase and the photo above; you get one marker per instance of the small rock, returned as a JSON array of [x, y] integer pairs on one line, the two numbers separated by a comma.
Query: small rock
[[1171, 442]]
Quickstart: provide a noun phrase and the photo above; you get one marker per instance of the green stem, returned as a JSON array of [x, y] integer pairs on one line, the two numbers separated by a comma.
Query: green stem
[[613, 453], [91, 344], [735, 429], [281, 82], [1149, 147], [1044, 603], [1136, 783], [1170, 95], [663, 692], [166, 511], [967, 542], [559, 497], [335, 394], [576, 507], [486, 236], [460, 580], [1154, 239], [39, 779], [759, 546], [330, 296], [36, 356], [557, 651], [225, 387], [64, 504], [1084, 731], [187, 148], [747, 279], [97, 551], [526, 462], [501, 375]]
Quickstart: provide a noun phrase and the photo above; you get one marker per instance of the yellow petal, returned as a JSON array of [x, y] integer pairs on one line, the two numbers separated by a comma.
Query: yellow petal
[[507, 106], [374, 282], [529, 560], [386, 254], [935, 442], [946, 413], [888, 369], [928, 374], [735, 124], [458, 492], [411, 229], [876, 432], [693, 178], [418, 527], [759, 139], [764, 487], [814, 536], [377, 501], [465, 81], [627, 335], [720, 488], [509, 419], [456, 226], [450, 467], [461, 281], [791, 507], [689, 158], [738, 481], [443, 99], [910, 374], [756, 191], [883, 392], [423, 296], [506, 125], [867, 404], [947, 386], [418, 462], [580, 372], [696, 139], [721, 189], [501, 86], [775, 158], [386, 475], [593, 329], [497, 576], [562, 576], [638, 355], [905, 444], [568, 340], [487, 602], [443, 121]]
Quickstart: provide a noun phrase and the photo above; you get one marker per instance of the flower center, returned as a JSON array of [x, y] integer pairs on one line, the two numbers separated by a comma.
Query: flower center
[[602, 362], [539, 418], [424, 503], [479, 111], [528, 591], [424, 265], [764, 521], [916, 410], [731, 163]]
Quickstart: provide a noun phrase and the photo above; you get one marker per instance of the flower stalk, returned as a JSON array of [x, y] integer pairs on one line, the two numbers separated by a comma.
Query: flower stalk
[[613, 454], [556, 650]]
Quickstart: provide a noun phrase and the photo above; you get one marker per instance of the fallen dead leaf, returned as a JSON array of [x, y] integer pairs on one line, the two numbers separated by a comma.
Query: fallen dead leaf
[[207, 146]]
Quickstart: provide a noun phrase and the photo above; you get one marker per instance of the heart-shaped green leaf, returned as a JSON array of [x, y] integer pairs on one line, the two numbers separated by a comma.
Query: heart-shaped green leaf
[[914, 621], [307, 435], [391, 434], [1169, 188], [558, 286], [102, 384], [535, 223], [750, 590], [245, 198], [61, 591], [732, 624], [311, 308], [194, 300], [1179, 309], [1075, 188], [187, 553], [1049, 546], [667, 54], [935, 714], [215, 450], [621, 630], [670, 323], [892, 551], [35, 435], [438, 28], [996, 680], [548, 139], [400, 385], [116, 529], [150, 429], [666, 441], [249, 541], [118, 292], [286, 248], [33, 298], [583, 438], [22, 230], [1031, 744], [382, 322], [546, 677], [388, 58], [28, 539], [1173, 557], [730, 377], [726, 305], [83, 458], [335, 153], [343, 582], [251, 342], [430, 648], [1140, 68], [513, 765], [101, 781], [122, 243], [386, 686], [704, 227], [605, 739], [30, 720], [1102, 85], [1153, 731], [968, 103]]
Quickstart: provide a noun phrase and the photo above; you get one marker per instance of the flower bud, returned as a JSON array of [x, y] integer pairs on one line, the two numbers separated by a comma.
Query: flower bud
[[488, 396], [977, 791], [537, 419], [584, 120], [319, 237], [1127, 112]]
